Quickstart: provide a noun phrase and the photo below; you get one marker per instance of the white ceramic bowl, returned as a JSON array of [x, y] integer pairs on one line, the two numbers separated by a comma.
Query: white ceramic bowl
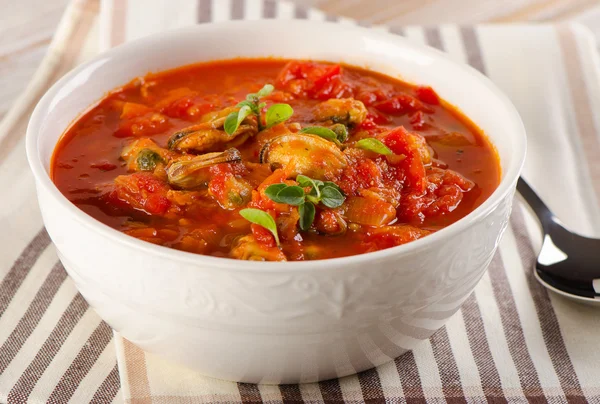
[[276, 322]]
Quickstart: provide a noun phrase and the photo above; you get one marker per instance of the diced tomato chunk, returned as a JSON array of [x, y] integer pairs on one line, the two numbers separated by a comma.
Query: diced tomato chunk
[[142, 191], [313, 80], [262, 235], [428, 95], [400, 105]]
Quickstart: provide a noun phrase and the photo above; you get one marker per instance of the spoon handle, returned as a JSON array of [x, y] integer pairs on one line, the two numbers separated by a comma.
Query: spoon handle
[[542, 211]]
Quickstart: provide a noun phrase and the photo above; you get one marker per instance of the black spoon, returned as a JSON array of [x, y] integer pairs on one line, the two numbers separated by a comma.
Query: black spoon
[[568, 263]]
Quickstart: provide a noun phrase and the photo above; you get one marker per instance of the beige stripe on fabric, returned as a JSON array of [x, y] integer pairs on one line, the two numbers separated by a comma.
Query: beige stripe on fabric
[[118, 21], [136, 373], [590, 138]]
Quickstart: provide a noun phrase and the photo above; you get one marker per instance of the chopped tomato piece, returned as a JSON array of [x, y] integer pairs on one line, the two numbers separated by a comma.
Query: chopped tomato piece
[[401, 104], [263, 236], [142, 191], [426, 94], [314, 80]]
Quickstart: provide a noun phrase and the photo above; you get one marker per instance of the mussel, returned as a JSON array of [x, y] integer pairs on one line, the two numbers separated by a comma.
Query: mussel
[[144, 155], [304, 154], [246, 248], [347, 111], [191, 172], [209, 133]]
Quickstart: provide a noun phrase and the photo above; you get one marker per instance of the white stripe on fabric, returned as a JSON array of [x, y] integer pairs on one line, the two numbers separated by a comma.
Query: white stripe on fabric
[[525, 306], [122, 363], [311, 392], [97, 374], [254, 9], [465, 362], [270, 392], [67, 353], [415, 34], [315, 14], [453, 44], [221, 10], [106, 22], [20, 219], [91, 45], [428, 371], [285, 10], [26, 293], [494, 332], [351, 390], [346, 21], [167, 380], [390, 380], [61, 301]]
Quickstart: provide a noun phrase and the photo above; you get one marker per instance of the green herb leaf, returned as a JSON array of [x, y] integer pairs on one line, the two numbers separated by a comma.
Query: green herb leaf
[[332, 197], [307, 215], [340, 131], [292, 195], [261, 218], [322, 132], [230, 125], [234, 119], [373, 145], [246, 103], [305, 181], [272, 190], [278, 113], [266, 90]]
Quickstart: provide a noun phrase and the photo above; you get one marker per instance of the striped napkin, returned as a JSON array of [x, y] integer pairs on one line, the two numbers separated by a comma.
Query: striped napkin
[[511, 342]]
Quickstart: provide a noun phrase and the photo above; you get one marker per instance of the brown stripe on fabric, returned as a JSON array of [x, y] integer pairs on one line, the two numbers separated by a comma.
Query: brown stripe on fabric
[[290, 394], [331, 391], [300, 13], [32, 316], [364, 23], [513, 331], [238, 9], [488, 373], [398, 30], [433, 37], [137, 374], [22, 389], [548, 322], [75, 39], [81, 365], [446, 363], [585, 123], [204, 11], [269, 9], [410, 379], [109, 388], [19, 270], [370, 385], [472, 49], [331, 17], [249, 393], [118, 22]]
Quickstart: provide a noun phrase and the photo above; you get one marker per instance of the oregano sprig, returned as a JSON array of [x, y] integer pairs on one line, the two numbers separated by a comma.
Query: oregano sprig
[[252, 105], [324, 192]]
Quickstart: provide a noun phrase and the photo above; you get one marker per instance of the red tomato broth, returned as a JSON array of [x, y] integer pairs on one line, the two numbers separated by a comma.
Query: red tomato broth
[[87, 158]]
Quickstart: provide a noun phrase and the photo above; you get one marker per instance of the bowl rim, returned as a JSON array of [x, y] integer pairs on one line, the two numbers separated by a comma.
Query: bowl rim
[[506, 185]]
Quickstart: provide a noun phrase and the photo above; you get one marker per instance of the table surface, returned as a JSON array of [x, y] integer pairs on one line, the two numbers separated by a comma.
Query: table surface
[[27, 26]]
